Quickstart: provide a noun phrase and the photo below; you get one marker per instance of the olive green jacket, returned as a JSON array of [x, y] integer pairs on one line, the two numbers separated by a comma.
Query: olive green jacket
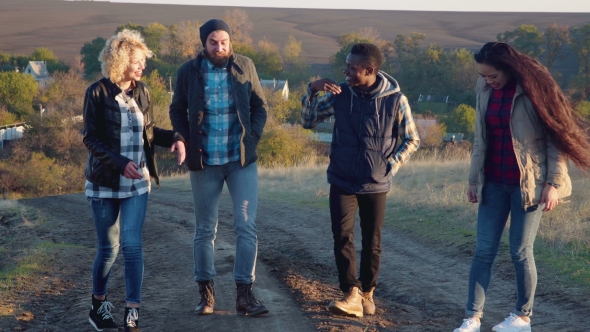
[[538, 159]]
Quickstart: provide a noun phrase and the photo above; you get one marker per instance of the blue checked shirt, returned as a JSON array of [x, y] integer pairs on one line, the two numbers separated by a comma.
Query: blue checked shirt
[[221, 125], [132, 148]]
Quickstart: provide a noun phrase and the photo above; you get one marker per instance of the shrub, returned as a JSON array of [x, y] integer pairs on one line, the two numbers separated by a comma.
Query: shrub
[[285, 146]]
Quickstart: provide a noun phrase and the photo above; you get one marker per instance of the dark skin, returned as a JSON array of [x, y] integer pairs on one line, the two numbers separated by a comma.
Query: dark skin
[[357, 73]]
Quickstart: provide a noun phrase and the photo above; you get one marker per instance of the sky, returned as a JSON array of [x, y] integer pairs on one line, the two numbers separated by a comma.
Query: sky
[[576, 6]]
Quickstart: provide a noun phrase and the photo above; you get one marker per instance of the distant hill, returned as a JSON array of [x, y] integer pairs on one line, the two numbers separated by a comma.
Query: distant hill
[[64, 26]]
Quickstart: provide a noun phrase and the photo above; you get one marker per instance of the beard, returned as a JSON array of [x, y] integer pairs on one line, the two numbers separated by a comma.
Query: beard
[[219, 59]]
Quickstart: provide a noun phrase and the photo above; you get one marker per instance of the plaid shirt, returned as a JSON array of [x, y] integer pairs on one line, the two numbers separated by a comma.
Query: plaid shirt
[[316, 108], [501, 165], [221, 125], [132, 148]]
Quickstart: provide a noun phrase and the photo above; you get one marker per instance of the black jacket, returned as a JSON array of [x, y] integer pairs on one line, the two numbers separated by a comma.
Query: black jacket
[[102, 133], [190, 95]]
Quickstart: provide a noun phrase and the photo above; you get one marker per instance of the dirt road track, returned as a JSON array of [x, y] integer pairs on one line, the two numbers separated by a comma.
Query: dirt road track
[[422, 286]]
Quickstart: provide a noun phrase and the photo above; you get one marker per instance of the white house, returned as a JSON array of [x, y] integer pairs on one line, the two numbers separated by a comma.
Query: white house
[[11, 132], [277, 85], [39, 72]]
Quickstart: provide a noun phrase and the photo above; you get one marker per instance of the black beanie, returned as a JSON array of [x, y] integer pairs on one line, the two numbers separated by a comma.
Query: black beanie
[[213, 25]]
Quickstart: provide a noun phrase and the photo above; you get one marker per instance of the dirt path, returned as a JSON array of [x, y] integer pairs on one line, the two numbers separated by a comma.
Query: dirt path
[[422, 286]]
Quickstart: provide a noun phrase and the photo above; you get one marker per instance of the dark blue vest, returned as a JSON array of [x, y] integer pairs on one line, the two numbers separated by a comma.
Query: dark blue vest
[[364, 137]]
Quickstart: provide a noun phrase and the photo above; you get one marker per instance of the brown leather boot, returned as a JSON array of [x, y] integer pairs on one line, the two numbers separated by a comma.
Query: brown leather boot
[[246, 303], [368, 303], [205, 306], [350, 305]]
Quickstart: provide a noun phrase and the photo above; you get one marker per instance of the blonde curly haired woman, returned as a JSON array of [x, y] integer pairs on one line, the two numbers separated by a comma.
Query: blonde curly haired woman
[[120, 135]]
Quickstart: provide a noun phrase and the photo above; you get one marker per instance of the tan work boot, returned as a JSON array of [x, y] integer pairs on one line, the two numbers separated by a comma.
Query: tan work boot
[[350, 305], [368, 303]]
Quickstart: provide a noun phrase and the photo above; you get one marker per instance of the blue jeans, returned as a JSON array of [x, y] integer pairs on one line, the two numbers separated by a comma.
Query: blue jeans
[[114, 217], [242, 183], [498, 201]]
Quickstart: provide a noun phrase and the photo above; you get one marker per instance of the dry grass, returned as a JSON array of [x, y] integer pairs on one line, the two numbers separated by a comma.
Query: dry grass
[[428, 199]]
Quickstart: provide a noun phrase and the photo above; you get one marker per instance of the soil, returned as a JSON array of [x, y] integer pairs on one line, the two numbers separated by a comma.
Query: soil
[[422, 286]]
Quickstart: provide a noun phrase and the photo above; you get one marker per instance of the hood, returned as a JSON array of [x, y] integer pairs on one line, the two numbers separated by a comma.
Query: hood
[[387, 87]]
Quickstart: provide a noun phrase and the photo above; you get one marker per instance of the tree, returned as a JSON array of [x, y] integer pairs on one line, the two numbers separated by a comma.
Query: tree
[[556, 38], [245, 50], [5, 58], [160, 99], [130, 26], [296, 70], [65, 94], [90, 52], [580, 43], [43, 54], [526, 38], [6, 117], [268, 59], [583, 108], [189, 37], [462, 120], [52, 63], [241, 26], [17, 91], [153, 33], [181, 42], [430, 130], [463, 76], [345, 42]]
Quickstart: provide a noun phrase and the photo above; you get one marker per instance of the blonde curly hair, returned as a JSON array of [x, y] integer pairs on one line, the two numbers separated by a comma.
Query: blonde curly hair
[[114, 57]]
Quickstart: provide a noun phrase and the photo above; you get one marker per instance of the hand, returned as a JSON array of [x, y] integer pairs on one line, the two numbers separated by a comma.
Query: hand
[[549, 197], [132, 171], [179, 146], [472, 193], [325, 84]]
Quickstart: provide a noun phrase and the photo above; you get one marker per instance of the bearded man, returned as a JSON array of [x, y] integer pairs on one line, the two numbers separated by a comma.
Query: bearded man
[[226, 115]]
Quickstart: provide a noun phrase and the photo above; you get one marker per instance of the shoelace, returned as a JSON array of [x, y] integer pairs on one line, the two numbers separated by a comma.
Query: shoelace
[[512, 320], [468, 321], [105, 310], [250, 296], [132, 317], [207, 292]]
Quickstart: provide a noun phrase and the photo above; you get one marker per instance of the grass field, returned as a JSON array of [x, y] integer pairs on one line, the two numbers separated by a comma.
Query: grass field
[[429, 200]]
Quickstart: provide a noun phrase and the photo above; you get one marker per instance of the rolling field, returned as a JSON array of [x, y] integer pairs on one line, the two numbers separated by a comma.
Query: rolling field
[[64, 26]]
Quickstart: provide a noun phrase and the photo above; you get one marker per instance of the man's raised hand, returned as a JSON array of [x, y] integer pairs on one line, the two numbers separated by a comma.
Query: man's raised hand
[[325, 84]]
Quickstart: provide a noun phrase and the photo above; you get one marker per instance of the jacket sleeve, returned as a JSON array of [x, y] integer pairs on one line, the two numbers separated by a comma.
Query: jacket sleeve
[[475, 155], [408, 135], [477, 151], [93, 113], [556, 164], [258, 105], [316, 108], [179, 106]]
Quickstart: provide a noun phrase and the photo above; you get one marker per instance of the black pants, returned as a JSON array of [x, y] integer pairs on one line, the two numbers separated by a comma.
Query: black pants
[[343, 206]]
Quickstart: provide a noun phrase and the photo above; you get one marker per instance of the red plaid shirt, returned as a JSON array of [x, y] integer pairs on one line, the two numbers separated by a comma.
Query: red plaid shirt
[[501, 165]]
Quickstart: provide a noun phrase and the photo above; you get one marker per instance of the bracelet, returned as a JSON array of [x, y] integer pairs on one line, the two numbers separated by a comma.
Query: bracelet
[[554, 185]]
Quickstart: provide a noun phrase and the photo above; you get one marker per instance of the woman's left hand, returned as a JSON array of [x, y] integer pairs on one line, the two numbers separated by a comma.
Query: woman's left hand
[[549, 197], [179, 147]]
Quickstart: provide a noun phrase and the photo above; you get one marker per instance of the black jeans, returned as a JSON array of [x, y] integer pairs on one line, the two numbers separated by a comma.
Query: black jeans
[[343, 206]]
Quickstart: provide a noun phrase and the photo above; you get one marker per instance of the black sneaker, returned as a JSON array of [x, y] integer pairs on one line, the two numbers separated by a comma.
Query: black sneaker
[[132, 320], [100, 315]]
